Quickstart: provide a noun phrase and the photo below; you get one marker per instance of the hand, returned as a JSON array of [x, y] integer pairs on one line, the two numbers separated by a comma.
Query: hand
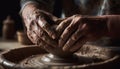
[[40, 26], [76, 30]]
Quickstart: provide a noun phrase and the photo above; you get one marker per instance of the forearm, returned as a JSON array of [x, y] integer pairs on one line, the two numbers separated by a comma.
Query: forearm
[[31, 5], [113, 25]]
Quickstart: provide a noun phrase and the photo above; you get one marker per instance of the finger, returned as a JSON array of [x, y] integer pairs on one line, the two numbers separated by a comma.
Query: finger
[[32, 36], [59, 20], [40, 43], [78, 44], [48, 15], [46, 38], [46, 27], [60, 28], [78, 34], [68, 31], [45, 46], [49, 48]]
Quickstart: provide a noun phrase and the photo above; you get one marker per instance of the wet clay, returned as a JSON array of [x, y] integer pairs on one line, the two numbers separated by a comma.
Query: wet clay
[[87, 55], [33, 57]]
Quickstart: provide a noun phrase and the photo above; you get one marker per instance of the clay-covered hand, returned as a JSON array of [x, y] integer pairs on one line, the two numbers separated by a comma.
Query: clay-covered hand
[[40, 26], [76, 30]]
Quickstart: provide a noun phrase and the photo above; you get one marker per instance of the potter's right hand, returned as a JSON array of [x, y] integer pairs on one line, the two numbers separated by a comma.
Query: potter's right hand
[[75, 31], [40, 25]]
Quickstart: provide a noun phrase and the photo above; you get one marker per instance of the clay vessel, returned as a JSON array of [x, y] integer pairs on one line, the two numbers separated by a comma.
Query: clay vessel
[[23, 39], [8, 28]]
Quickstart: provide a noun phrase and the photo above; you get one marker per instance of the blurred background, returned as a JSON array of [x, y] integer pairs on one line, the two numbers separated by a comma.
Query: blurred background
[[11, 8], [11, 25]]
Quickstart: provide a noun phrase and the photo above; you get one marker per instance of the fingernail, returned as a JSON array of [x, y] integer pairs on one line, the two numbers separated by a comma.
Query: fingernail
[[53, 36], [65, 49]]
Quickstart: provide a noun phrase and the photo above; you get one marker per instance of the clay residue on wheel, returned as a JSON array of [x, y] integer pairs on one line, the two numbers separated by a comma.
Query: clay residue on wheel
[[88, 54], [94, 53], [17, 55]]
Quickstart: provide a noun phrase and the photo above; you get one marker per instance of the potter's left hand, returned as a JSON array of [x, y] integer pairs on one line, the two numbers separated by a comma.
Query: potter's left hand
[[76, 30]]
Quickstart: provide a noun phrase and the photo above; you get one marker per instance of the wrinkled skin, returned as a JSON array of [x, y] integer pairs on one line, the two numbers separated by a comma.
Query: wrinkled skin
[[76, 30], [40, 26], [61, 37], [41, 29]]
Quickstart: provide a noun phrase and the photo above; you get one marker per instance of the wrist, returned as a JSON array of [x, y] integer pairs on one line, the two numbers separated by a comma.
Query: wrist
[[98, 22], [113, 25]]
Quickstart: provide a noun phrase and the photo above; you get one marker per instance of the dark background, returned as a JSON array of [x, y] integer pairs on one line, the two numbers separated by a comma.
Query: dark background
[[12, 8]]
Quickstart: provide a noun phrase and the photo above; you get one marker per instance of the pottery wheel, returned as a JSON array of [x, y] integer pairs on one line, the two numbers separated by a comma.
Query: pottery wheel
[[85, 56]]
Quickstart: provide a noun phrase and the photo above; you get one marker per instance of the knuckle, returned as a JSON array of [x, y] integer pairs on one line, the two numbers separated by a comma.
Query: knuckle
[[74, 37], [42, 23], [41, 34]]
